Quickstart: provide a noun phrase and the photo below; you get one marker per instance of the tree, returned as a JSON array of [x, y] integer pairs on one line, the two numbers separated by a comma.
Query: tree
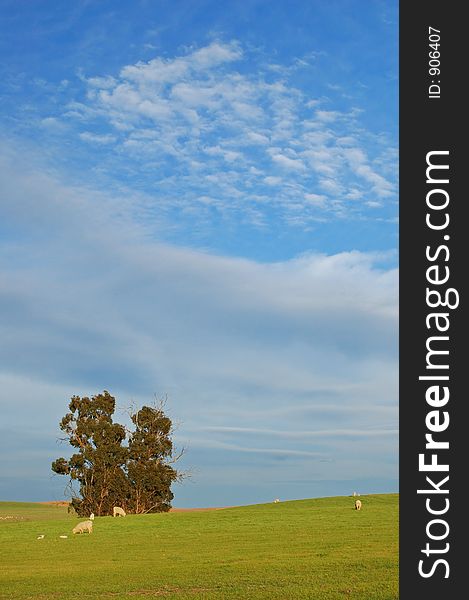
[[137, 476], [149, 471]]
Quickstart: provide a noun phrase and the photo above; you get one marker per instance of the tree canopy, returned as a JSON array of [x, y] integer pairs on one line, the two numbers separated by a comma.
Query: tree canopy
[[114, 466]]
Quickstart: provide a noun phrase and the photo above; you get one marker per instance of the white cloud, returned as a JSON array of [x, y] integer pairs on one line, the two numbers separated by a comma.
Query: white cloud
[[358, 162], [316, 199], [161, 70], [327, 116], [94, 138], [257, 138], [216, 54], [228, 155], [271, 180], [102, 83], [288, 163], [165, 115], [331, 186]]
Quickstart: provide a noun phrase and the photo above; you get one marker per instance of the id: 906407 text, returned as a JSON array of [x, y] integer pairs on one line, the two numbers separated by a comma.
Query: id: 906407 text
[[434, 88]]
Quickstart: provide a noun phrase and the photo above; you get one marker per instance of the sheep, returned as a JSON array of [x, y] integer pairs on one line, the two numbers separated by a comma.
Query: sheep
[[92, 517], [117, 511], [358, 504], [83, 526], [276, 500]]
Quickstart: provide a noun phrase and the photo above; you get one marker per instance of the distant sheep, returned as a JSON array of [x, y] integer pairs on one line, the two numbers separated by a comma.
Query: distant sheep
[[117, 511], [92, 517], [276, 500], [358, 505], [83, 526]]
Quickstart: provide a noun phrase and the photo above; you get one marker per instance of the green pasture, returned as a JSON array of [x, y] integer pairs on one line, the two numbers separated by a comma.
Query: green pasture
[[314, 549]]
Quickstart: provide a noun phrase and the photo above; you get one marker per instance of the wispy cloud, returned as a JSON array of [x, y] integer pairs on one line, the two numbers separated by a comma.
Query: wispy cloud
[[331, 433], [93, 138], [190, 117]]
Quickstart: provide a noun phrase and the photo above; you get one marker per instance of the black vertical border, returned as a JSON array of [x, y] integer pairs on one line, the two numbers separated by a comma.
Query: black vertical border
[[429, 124]]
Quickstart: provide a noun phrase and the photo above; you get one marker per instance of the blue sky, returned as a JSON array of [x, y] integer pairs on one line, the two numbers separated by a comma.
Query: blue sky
[[200, 200]]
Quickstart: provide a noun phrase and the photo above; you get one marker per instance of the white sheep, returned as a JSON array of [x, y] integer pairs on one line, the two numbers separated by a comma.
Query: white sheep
[[117, 511], [276, 500], [358, 504], [83, 526], [92, 517]]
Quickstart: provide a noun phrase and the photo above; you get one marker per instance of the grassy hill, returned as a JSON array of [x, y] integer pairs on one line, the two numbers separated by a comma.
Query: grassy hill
[[306, 549]]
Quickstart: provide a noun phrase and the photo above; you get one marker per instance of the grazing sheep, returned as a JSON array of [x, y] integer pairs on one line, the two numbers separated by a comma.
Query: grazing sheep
[[40, 537], [117, 511], [83, 526], [276, 500], [358, 504], [92, 517]]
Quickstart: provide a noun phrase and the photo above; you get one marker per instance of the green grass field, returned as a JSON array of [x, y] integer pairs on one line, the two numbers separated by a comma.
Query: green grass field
[[305, 549]]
